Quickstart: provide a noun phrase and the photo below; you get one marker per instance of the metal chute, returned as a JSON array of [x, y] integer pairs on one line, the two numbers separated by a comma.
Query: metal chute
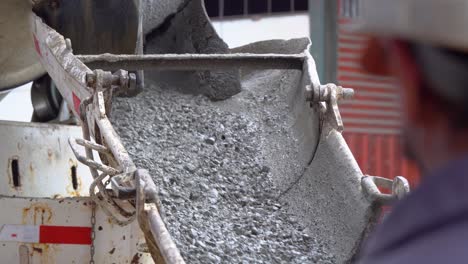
[[185, 48]]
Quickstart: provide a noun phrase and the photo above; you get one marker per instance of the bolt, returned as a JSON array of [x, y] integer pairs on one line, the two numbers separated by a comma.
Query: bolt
[[132, 82], [68, 44], [90, 79], [400, 187], [325, 91], [347, 93]]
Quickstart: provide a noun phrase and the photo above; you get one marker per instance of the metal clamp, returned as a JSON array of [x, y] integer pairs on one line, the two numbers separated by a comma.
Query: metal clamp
[[123, 82], [370, 186], [323, 93], [329, 95]]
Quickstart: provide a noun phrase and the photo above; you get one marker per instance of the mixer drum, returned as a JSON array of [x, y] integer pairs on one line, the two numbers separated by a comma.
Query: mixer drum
[[18, 61], [105, 26]]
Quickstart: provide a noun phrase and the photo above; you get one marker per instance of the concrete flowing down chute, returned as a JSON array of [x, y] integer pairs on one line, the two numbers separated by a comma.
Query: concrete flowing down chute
[[93, 51]]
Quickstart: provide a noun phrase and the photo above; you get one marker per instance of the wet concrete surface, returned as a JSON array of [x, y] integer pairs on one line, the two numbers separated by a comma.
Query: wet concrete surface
[[222, 168], [187, 29]]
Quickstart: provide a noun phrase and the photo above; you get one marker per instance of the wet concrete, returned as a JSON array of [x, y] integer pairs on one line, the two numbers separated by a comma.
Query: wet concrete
[[188, 30], [217, 189], [256, 178]]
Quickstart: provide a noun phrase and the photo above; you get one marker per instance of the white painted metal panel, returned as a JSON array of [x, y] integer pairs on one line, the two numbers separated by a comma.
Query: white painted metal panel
[[113, 244], [44, 160]]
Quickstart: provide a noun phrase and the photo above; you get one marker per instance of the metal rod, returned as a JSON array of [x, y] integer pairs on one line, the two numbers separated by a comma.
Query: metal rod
[[89, 162], [116, 147], [194, 61], [220, 9], [166, 245], [92, 145], [370, 188]]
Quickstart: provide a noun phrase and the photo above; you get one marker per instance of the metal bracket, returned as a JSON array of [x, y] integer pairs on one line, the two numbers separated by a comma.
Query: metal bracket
[[370, 185], [122, 82], [329, 94]]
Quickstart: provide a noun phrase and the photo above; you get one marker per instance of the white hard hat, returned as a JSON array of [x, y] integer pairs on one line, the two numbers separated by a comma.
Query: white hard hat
[[437, 22]]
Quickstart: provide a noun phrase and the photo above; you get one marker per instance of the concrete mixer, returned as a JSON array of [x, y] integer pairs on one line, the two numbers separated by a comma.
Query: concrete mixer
[[71, 191]]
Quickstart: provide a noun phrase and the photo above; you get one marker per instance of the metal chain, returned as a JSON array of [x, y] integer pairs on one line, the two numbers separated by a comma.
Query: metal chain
[[93, 231]]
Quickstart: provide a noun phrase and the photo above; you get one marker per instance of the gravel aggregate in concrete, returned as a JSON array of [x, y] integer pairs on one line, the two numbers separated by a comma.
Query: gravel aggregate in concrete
[[216, 184]]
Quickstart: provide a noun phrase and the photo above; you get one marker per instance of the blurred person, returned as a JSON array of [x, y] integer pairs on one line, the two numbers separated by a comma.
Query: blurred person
[[424, 44]]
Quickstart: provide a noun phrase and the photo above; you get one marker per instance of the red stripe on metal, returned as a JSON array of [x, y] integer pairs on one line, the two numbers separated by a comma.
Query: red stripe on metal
[[36, 45], [371, 123], [351, 50], [404, 168], [354, 65], [356, 59], [342, 76], [352, 41], [344, 30], [76, 103], [358, 96], [353, 47], [391, 156], [365, 153], [352, 69], [378, 155], [350, 125], [369, 116], [375, 145], [381, 155], [75, 235], [365, 105], [371, 87]]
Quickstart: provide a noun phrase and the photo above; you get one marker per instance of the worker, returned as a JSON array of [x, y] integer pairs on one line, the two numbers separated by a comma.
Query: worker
[[424, 44]]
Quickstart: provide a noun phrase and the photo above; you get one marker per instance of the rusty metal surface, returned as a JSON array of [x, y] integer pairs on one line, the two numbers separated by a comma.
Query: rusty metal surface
[[45, 161], [114, 244], [92, 105], [70, 77]]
